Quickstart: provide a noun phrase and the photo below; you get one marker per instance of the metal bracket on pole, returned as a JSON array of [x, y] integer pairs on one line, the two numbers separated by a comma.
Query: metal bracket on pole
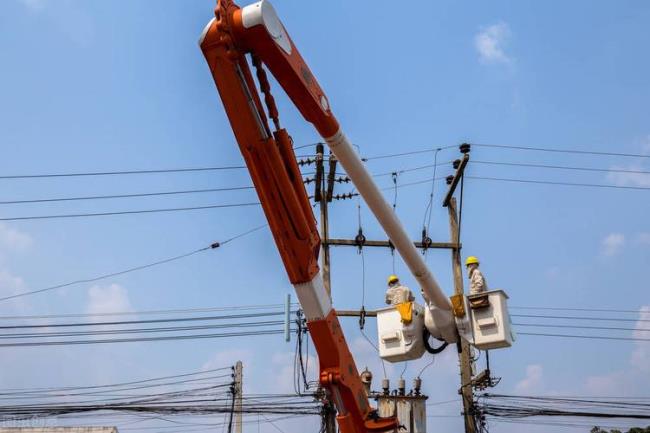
[[459, 165]]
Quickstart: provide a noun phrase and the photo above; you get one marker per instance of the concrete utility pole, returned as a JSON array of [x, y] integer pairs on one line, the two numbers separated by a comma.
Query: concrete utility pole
[[239, 390], [466, 391], [465, 357], [323, 191]]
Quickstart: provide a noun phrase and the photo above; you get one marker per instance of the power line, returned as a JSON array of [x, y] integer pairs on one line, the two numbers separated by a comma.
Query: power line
[[607, 328], [413, 152], [556, 150], [596, 310], [131, 212], [547, 182], [214, 245], [65, 388], [145, 321], [115, 196], [606, 319], [561, 167], [144, 339], [122, 172], [146, 312], [588, 337]]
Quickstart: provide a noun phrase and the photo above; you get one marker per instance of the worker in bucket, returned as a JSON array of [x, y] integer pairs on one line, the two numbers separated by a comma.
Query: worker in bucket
[[397, 293], [477, 283]]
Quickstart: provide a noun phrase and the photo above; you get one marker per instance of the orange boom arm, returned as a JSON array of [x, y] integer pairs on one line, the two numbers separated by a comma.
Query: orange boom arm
[[269, 156]]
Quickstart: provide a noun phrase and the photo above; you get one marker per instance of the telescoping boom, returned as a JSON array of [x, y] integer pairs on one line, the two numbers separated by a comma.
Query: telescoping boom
[[256, 30]]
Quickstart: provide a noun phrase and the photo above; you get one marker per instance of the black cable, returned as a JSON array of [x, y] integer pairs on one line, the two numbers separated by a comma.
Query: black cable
[[130, 212], [595, 310], [428, 211], [588, 337], [413, 152], [144, 321], [115, 196], [606, 319], [547, 182], [149, 312], [555, 150], [115, 385], [139, 330], [144, 339], [606, 328], [561, 167], [121, 172], [137, 268]]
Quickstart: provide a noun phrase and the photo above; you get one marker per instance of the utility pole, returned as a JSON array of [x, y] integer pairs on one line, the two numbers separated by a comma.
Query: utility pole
[[238, 396], [466, 391], [323, 191], [464, 353]]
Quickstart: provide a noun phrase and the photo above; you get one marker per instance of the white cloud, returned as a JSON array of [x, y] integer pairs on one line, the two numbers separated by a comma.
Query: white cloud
[[490, 41], [113, 298], [34, 5], [633, 175], [613, 244], [533, 380], [13, 239]]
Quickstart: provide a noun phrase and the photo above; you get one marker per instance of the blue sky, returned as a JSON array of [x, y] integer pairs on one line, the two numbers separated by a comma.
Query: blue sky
[[93, 86]]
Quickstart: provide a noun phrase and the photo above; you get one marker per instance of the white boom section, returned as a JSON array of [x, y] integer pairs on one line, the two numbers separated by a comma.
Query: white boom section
[[363, 182]]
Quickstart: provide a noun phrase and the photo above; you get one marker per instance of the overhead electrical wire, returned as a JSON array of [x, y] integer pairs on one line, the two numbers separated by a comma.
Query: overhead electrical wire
[[116, 196], [593, 310], [214, 245], [587, 337], [517, 406], [560, 167], [558, 150], [145, 339], [606, 319], [129, 212], [144, 321], [121, 172], [148, 312], [548, 182]]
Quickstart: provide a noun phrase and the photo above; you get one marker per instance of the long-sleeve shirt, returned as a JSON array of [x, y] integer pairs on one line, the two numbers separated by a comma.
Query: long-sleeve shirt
[[398, 294], [477, 283]]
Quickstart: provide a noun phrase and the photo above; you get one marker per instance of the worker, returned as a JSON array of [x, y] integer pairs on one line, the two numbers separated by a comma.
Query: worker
[[397, 293], [477, 283]]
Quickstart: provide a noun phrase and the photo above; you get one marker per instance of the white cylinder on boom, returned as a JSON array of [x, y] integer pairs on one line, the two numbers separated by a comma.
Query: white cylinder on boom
[[363, 182]]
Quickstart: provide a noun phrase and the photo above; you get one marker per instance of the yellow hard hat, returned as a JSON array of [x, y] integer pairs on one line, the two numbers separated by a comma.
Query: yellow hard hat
[[471, 260], [392, 279]]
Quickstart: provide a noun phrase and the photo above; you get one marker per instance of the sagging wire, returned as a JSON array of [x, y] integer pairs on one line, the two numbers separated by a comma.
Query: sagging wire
[[401, 375], [433, 359], [428, 211], [392, 248], [360, 239]]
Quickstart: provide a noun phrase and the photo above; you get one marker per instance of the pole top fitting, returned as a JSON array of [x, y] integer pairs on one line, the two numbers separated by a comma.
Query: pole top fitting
[[465, 148]]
